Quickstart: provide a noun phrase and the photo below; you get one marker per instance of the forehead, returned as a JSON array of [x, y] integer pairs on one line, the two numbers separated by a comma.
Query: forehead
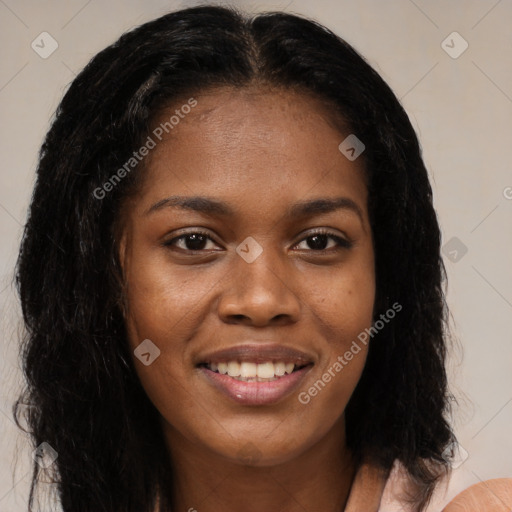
[[250, 142]]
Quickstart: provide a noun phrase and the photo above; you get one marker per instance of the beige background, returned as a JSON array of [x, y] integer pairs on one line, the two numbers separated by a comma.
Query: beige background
[[461, 109]]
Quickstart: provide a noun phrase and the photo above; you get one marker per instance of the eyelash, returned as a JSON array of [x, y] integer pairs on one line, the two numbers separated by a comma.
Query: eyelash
[[342, 243]]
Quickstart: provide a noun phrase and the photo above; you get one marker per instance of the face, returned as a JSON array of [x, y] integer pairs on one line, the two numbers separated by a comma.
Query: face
[[248, 250]]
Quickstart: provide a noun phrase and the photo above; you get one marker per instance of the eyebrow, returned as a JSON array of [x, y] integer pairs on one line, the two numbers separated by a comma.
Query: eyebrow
[[215, 207], [195, 203], [324, 205]]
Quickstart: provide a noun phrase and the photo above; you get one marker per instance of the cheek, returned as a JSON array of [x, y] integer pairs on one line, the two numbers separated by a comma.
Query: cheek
[[343, 312], [165, 300], [343, 320], [166, 305], [343, 302]]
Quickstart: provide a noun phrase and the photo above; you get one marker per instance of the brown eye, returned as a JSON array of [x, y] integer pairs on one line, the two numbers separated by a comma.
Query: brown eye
[[320, 242], [195, 241]]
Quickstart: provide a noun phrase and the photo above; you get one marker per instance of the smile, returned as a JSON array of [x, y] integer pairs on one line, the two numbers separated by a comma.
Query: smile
[[255, 374], [247, 371]]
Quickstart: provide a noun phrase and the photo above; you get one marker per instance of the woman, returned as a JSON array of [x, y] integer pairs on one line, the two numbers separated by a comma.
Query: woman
[[231, 279]]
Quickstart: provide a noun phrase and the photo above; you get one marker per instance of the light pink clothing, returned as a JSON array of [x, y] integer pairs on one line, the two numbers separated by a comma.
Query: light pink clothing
[[373, 491]]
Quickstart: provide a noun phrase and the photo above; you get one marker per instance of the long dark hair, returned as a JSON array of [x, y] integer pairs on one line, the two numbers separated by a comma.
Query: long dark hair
[[86, 400]]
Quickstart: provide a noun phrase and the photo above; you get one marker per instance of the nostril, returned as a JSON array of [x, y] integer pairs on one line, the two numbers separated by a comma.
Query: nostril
[[236, 319]]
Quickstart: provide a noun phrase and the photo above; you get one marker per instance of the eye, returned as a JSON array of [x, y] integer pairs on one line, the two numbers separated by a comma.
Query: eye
[[191, 241], [319, 241]]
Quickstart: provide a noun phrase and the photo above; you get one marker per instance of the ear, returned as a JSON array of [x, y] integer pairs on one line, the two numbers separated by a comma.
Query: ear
[[123, 243], [122, 246], [121, 250]]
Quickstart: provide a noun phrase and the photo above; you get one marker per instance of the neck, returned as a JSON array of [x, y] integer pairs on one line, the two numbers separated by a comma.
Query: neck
[[319, 478]]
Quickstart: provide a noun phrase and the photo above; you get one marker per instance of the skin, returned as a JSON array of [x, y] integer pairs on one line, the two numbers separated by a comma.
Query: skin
[[260, 151], [489, 496]]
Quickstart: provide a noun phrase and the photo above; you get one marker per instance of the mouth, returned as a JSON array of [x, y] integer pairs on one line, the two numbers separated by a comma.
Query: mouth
[[255, 374], [250, 371]]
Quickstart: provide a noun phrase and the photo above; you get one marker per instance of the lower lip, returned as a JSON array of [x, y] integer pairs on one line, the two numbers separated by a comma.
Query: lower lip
[[256, 393]]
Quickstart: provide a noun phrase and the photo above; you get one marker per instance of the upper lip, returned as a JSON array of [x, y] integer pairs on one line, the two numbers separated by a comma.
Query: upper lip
[[257, 353]]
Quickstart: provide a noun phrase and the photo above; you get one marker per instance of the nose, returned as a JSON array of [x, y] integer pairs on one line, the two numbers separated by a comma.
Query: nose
[[260, 293]]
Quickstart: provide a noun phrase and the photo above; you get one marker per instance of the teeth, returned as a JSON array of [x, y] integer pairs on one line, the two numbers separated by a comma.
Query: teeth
[[247, 370], [279, 369], [234, 368], [265, 370], [252, 371]]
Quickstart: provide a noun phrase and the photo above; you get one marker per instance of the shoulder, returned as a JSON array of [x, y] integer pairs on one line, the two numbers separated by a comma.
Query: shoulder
[[488, 496]]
